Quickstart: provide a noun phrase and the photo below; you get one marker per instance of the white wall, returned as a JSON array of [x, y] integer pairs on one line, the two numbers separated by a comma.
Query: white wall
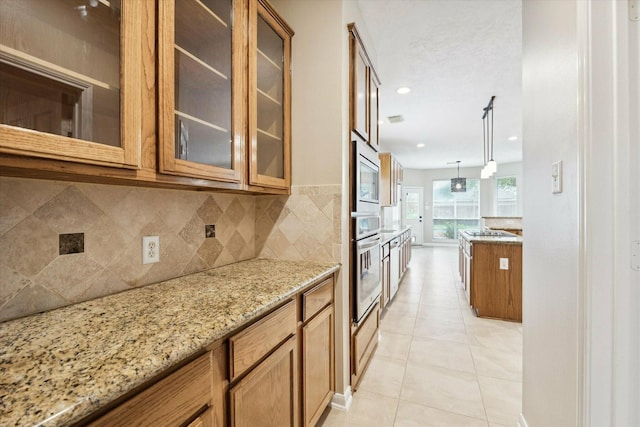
[[424, 178], [551, 247]]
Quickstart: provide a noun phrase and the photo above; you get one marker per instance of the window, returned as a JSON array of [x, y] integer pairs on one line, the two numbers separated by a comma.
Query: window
[[453, 212], [506, 196]]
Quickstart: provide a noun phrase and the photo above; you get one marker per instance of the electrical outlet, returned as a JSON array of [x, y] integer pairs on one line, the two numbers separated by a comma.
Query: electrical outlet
[[150, 249], [504, 263]]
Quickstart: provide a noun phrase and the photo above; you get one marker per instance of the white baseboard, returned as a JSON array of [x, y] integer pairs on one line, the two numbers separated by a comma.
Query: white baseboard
[[342, 402], [522, 422]]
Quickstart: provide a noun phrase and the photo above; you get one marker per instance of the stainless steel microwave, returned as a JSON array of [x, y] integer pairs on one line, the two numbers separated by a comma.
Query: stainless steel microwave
[[366, 179]]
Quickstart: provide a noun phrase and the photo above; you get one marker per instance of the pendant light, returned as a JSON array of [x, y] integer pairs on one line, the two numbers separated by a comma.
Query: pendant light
[[458, 185], [490, 165]]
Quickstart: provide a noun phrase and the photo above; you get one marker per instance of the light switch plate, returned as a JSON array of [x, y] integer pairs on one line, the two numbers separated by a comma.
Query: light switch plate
[[556, 177], [504, 263]]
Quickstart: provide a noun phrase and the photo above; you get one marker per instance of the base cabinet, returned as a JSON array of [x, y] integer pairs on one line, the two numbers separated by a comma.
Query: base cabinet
[[186, 395], [266, 396], [317, 366], [365, 341], [277, 371]]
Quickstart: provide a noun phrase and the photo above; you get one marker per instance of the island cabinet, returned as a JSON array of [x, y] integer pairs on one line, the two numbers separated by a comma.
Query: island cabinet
[[363, 91], [70, 79], [495, 290], [85, 101]]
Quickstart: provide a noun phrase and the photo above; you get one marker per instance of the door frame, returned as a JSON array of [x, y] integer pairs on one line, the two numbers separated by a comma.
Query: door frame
[[608, 373], [404, 211]]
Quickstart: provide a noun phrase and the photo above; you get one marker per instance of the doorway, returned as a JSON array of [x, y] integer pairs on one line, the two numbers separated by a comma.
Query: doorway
[[413, 212]]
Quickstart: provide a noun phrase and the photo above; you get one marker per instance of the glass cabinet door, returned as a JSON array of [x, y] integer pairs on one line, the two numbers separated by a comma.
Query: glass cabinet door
[[66, 90], [198, 82], [269, 108]]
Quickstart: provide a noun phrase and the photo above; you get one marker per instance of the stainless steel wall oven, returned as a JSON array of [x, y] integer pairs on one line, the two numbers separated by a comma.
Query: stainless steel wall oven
[[367, 285]]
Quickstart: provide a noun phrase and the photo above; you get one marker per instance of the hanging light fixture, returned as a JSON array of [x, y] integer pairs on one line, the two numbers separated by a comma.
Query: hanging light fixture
[[490, 165], [458, 185]]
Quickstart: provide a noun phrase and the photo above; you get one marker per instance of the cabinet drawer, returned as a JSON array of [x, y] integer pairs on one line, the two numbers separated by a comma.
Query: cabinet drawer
[[365, 341], [316, 299], [170, 402], [253, 343]]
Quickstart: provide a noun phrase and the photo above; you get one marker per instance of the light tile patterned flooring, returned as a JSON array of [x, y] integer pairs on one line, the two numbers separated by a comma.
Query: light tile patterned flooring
[[436, 363]]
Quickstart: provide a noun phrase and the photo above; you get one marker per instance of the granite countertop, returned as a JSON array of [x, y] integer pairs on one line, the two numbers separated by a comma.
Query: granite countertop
[[59, 366], [387, 235], [504, 240]]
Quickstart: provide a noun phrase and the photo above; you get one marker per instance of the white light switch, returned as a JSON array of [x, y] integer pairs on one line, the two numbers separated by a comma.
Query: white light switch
[[504, 263], [556, 176]]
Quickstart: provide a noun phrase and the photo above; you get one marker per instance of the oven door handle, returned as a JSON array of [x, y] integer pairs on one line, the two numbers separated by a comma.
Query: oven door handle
[[369, 243]]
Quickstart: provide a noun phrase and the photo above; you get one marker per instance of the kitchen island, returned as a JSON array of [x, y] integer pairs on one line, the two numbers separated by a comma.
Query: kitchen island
[[490, 265], [58, 367]]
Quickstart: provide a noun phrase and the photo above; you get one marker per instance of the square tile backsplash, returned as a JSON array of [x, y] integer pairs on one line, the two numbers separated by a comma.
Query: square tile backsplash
[[34, 276], [33, 213]]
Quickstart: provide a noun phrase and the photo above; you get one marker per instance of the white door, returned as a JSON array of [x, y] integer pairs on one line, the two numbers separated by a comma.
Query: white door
[[413, 212]]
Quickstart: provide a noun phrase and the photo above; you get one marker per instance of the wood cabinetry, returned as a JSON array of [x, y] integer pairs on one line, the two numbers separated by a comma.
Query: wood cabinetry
[[363, 91], [200, 68], [268, 394], [214, 114], [496, 292], [318, 355], [391, 174], [386, 275], [72, 92], [187, 395], [277, 371], [365, 341], [269, 97]]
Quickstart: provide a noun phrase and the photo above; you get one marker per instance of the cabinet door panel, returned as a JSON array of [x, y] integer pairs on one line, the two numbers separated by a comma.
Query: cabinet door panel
[[268, 395], [269, 98], [200, 89], [317, 365], [374, 105], [71, 81]]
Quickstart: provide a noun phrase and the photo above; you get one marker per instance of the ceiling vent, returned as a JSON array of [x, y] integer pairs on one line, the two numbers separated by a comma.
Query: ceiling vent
[[395, 119]]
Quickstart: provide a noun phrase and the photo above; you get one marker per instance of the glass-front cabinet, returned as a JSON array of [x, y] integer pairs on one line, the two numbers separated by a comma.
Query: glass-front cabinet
[[200, 89], [66, 90], [269, 98]]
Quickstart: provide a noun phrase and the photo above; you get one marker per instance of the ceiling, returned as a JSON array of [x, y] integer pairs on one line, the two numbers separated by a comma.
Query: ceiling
[[453, 55]]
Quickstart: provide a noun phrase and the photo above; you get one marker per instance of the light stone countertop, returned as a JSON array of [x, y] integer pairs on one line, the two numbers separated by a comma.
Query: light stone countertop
[[388, 235], [59, 366], [498, 240]]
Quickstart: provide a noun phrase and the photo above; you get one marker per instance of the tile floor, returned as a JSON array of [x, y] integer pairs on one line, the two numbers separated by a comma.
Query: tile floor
[[436, 363]]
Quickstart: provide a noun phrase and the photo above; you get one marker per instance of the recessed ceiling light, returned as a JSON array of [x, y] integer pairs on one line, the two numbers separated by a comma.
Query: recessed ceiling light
[[513, 138], [403, 90], [420, 145]]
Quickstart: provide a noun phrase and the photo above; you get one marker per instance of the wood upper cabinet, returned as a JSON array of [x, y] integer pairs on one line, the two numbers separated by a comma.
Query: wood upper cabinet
[[200, 81], [374, 94], [363, 92], [70, 79], [269, 97], [390, 177]]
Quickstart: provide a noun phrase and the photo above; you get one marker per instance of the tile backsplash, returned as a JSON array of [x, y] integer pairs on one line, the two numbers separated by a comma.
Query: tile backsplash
[[33, 213]]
